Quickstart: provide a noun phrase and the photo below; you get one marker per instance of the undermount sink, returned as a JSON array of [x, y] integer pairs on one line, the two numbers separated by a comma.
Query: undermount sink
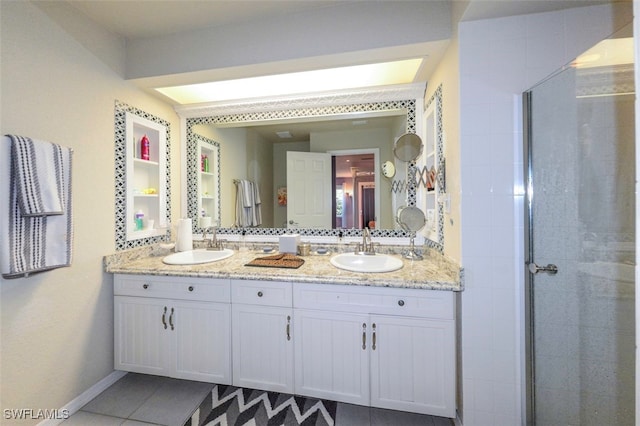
[[366, 262], [194, 257]]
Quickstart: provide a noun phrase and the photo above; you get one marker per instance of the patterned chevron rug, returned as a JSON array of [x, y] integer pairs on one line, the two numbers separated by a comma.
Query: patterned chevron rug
[[232, 406]]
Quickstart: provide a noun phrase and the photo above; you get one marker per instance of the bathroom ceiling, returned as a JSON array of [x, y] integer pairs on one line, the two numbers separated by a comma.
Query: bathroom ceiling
[[488, 9], [136, 19]]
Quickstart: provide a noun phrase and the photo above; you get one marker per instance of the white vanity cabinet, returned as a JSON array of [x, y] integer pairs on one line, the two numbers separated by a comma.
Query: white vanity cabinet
[[384, 347], [262, 318], [374, 346], [175, 327]]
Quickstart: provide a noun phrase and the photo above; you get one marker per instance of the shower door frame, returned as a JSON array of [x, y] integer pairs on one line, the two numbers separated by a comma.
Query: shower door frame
[[528, 258]]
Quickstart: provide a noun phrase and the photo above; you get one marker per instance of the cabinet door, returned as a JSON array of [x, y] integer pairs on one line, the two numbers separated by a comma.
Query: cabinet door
[[412, 365], [201, 333], [140, 339], [262, 347], [331, 355]]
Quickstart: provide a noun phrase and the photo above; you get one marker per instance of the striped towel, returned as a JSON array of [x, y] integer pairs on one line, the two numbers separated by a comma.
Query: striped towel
[[38, 234], [37, 173]]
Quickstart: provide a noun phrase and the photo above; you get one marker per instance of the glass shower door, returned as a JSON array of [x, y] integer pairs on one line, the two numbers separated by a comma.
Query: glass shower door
[[580, 245]]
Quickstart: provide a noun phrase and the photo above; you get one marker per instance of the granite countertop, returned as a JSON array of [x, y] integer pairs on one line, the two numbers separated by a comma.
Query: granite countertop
[[435, 272]]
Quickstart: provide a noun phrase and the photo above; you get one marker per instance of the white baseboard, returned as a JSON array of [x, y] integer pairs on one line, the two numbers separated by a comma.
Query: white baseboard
[[78, 402]]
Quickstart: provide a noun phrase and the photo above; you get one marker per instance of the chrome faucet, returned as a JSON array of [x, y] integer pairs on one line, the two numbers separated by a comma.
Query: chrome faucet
[[366, 246], [214, 243]]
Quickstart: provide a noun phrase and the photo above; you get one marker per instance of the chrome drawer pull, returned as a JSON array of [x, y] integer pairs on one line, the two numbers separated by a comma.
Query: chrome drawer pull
[[190, 288], [401, 302], [145, 286], [171, 319], [288, 327], [260, 294]]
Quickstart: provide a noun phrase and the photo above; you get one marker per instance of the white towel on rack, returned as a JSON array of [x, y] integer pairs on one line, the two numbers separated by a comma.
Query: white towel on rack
[[247, 193], [33, 243], [241, 219], [37, 174], [257, 205]]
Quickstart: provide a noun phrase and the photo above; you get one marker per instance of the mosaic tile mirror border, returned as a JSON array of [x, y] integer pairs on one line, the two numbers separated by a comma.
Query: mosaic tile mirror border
[[437, 98], [120, 111], [407, 104]]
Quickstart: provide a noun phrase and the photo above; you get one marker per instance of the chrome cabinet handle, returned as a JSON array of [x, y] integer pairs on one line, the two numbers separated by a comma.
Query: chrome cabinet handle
[[260, 294], [171, 319], [364, 336], [288, 327], [190, 288], [551, 269], [400, 302], [373, 343], [164, 318], [145, 286]]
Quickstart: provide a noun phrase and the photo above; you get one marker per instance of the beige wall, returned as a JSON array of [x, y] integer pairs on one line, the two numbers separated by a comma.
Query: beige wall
[[446, 74], [57, 326]]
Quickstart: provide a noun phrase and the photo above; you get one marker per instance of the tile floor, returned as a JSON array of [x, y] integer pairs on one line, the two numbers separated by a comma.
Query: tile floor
[[139, 399]]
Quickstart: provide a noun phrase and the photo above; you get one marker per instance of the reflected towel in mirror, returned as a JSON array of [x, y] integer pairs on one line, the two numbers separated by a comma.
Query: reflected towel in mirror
[[248, 204]]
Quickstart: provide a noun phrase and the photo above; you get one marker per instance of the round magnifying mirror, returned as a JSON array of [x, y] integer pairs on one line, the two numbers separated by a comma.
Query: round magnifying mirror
[[411, 218], [408, 147], [388, 169]]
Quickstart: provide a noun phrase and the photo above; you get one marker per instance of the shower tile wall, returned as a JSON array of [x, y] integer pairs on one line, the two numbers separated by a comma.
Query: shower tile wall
[[500, 59]]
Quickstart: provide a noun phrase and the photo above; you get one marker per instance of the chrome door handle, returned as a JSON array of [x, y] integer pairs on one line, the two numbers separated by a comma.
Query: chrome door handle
[[288, 327], [164, 320], [364, 336], [551, 269], [373, 343]]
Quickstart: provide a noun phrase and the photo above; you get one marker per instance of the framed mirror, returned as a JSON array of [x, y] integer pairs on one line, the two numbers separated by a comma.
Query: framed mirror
[[239, 130]]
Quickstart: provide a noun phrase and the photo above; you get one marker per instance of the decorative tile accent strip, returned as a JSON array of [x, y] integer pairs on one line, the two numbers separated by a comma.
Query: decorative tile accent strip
[[120, 111]]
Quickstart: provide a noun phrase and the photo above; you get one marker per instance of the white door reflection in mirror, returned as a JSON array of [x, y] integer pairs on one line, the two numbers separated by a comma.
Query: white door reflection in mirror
[[309, 190]]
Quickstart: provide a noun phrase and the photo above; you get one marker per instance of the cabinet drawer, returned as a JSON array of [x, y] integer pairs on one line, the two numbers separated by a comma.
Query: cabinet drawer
[[270, 293], [182, 288], [372, 300]]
